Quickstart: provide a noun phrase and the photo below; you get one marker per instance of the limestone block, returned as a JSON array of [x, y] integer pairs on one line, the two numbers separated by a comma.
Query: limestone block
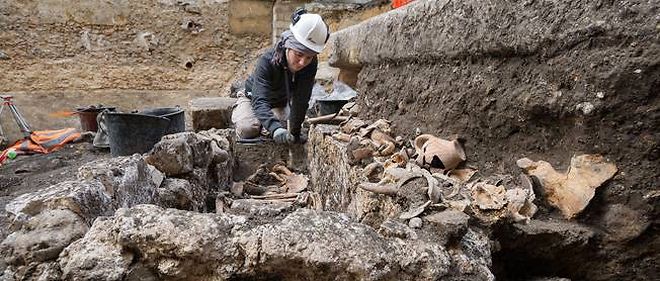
[[326, 74], [180, 194], [448, 224], [327, 160], [448, 30], [107, 260], [43, 237], [129, 180], [210, 113], [184, 245], [88, 199], [84, 12], [281, 18], [179, 153]]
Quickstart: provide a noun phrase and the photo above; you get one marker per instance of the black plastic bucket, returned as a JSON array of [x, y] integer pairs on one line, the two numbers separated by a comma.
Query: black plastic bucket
[[131, 133], [176, 115]]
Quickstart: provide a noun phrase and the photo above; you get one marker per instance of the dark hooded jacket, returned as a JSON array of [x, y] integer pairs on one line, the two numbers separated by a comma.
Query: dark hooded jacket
[[272, 85]]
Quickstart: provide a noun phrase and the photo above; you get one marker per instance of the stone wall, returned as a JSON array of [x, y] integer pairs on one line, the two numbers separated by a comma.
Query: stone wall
[[337, 181]]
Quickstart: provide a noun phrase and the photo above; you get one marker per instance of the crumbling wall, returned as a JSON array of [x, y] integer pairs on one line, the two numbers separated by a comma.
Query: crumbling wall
[[542, 79]]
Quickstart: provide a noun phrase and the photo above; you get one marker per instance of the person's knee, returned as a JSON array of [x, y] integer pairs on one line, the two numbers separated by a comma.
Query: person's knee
[[247, 130]]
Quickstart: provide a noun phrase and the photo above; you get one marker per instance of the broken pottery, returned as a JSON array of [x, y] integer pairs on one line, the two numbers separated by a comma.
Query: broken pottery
[[488, 196], [438, 153], [570, 192]]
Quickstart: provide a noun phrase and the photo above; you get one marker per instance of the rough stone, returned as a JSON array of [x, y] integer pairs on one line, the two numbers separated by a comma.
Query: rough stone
[[415, 223], [43, 237], [45, 271], [208, 113], [177, 154], [129, 180], [392, 228], [448, 224], [92, 258], [328, 161], [180, 244], [260, 208], [172, 156], [471, 258], [88, 199], [180, 194]]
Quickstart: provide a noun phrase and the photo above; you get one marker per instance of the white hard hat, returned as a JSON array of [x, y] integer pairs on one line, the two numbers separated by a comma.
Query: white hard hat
[[311, 31]]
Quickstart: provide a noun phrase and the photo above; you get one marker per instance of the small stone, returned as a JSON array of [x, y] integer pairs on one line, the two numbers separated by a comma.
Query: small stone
[[585, 107], [4, 56], [600, 95], [415, 223], [637, 71]]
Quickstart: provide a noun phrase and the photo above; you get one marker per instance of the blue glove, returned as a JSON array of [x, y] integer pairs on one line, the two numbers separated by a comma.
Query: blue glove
[[282, 136]]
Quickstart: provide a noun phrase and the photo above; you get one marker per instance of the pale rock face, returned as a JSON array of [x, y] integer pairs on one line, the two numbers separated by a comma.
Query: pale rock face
[[448, 224], [180, 194], [108, 260], [88, 199], [570, 192], [179, 244], [43, 237], [178, 154], [129, 180]]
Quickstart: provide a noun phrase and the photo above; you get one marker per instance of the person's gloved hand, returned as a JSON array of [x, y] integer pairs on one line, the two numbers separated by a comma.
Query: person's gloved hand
[[282, 136]]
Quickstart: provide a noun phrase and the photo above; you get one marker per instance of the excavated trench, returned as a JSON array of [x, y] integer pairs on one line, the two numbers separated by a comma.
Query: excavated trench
[[537, 80]]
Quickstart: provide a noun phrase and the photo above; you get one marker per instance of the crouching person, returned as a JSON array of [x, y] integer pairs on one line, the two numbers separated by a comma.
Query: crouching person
[[277, 93]]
